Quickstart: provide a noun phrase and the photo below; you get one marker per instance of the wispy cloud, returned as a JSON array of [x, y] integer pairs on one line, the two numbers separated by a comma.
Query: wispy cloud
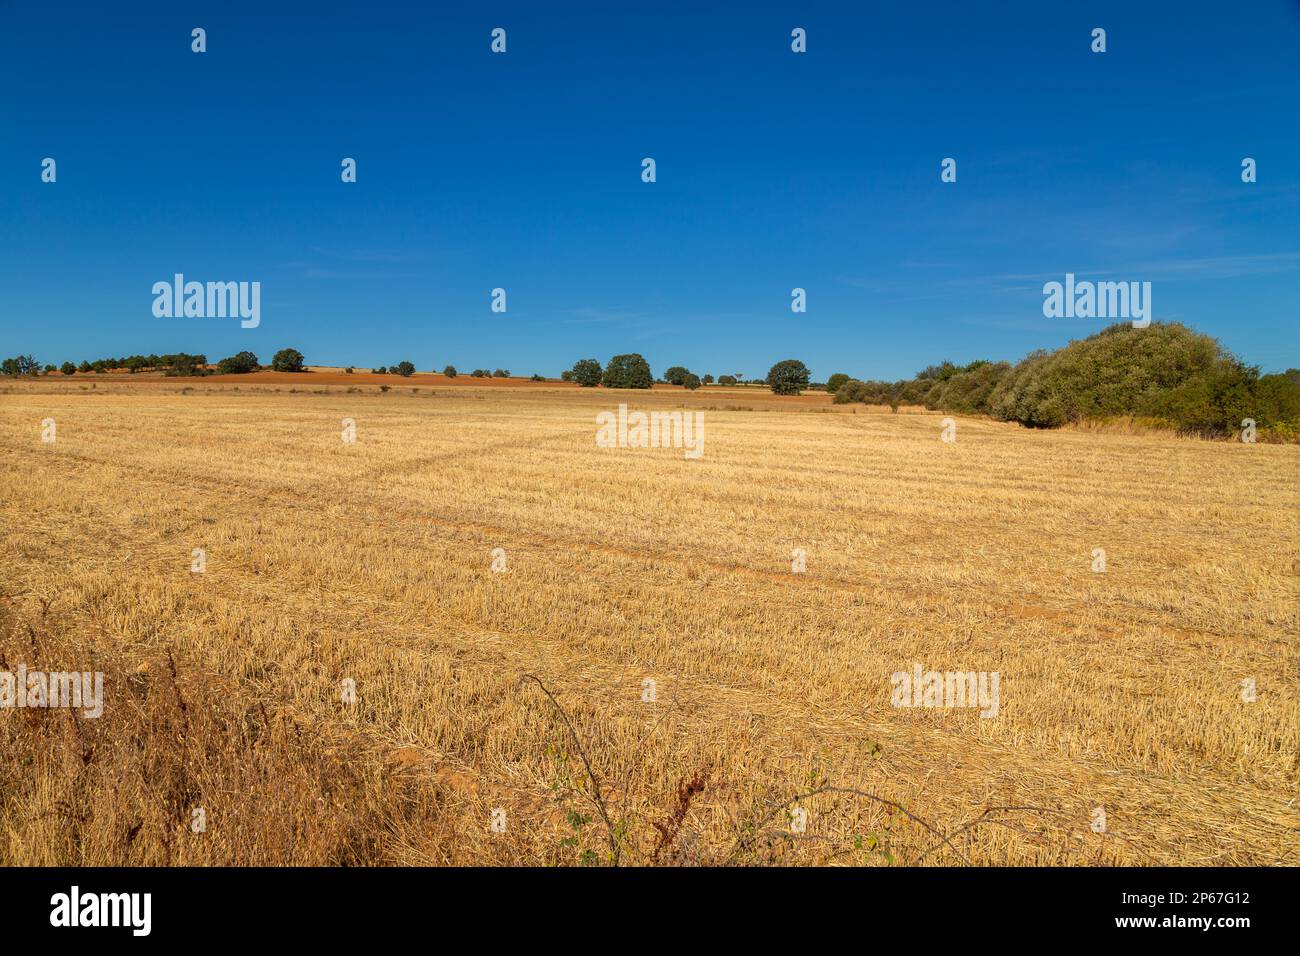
[[590, 315]]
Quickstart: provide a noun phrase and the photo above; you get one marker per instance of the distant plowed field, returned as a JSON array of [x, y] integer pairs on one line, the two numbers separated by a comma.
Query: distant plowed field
[[666, 661]]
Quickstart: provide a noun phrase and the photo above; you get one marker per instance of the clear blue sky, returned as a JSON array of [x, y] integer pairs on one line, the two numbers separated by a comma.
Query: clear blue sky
[[522, 170]]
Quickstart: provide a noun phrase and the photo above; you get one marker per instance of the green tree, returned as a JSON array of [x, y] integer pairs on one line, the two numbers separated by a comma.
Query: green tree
[[676, 375], [788, 377], [586, 372], [627, 371], [835, 381], [20, 365], [450, 371], [288, 360], [404, 369], [691, 382], [67, 368], [238, 364]]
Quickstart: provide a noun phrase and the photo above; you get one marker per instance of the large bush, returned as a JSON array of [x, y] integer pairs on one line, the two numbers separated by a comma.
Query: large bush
[[1119, 371], [627, 371]]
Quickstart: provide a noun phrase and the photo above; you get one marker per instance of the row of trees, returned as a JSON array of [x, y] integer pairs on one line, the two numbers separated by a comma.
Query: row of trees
[[1166, 373], [631, 370], [180, 363], [789, 377]]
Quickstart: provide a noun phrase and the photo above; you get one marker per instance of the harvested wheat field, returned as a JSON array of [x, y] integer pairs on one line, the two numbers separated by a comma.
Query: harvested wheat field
[[504, 710]]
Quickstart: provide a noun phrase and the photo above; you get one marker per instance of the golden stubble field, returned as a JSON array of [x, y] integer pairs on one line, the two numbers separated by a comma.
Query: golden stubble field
[[372, 562]]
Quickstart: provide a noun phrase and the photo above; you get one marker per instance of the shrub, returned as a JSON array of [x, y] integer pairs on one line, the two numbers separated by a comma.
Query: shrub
[[67, 368], [835, 381], [537, 378], [450, 371], [382, 370], [586, 372], [184, 365], [726, 380], [287, 360], [479, 373], [788, 377], [501, 373], [238, 364], [627, 371]]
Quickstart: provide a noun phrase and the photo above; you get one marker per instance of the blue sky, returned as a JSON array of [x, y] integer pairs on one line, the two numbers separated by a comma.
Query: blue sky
[[522, 171]]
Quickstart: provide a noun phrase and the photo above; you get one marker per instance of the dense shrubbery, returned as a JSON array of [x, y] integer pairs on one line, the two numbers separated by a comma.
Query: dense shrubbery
[[967, 391], [1165, 373], [238, 364]]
